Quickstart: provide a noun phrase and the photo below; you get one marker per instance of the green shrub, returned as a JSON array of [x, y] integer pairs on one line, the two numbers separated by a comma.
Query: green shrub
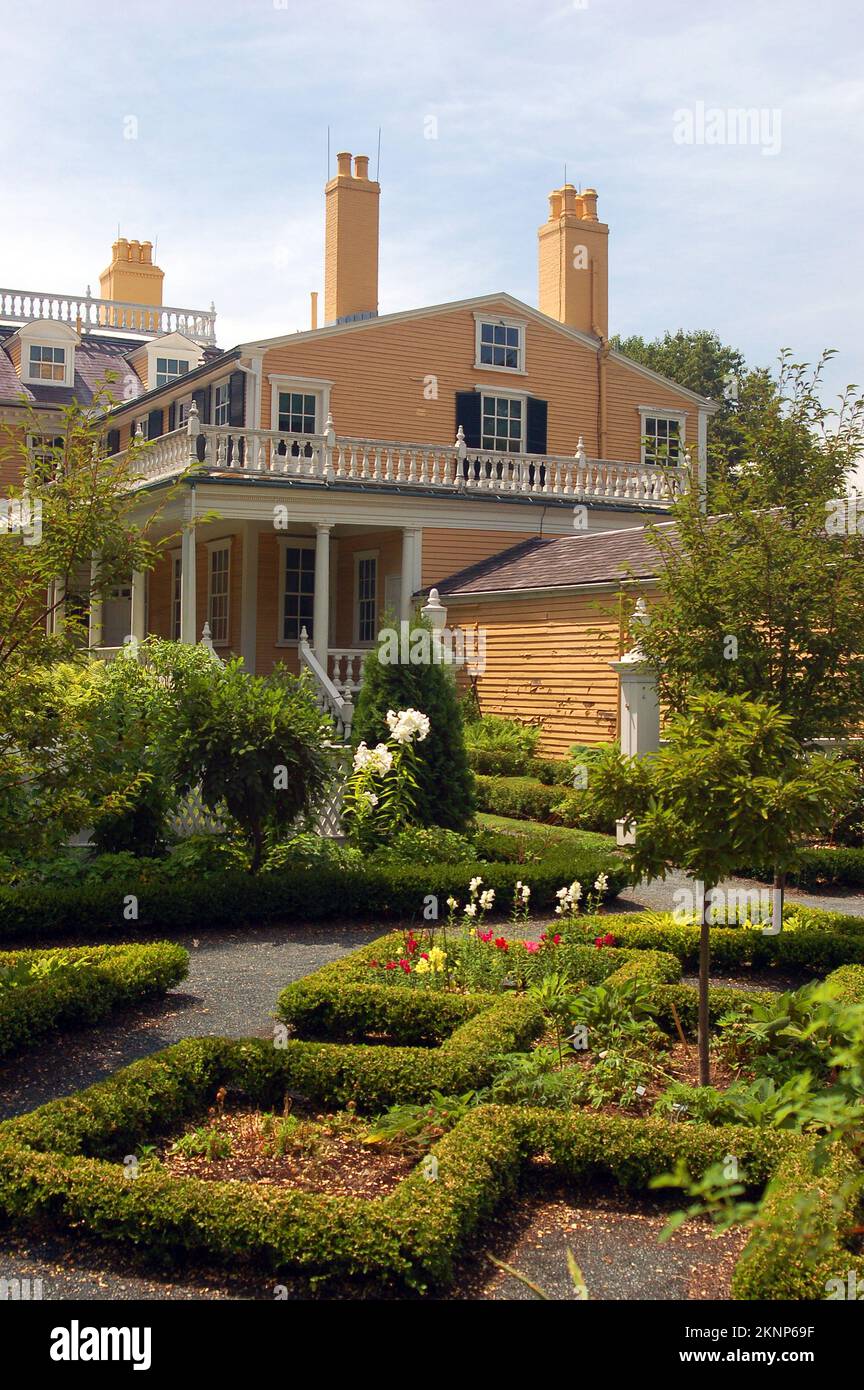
[[493, 734], [827, 867], [231, 897], [428, 845], [63, 988], [523, 798], [445, 790]]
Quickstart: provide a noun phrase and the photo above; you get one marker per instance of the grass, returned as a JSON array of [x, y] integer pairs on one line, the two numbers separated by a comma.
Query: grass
[[555, 834]]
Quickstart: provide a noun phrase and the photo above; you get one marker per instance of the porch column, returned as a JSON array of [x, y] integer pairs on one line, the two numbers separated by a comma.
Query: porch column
[[187, 587], [640, 708], [249, 596], [410, 563], [94, 627], [321, 605], [138, 620]]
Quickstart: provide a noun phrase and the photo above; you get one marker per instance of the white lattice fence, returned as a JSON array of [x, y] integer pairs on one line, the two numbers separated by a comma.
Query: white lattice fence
[[193, 817]]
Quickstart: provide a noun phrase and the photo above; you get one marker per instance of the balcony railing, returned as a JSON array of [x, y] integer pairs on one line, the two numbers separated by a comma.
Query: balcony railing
[[84, 313], [328, 459]]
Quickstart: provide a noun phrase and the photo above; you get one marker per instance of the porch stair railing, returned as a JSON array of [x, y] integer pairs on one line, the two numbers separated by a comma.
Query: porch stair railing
[[334, 701]]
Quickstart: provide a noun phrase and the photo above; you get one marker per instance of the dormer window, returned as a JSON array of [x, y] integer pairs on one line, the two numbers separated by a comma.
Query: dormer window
[[47, 363], [499, 344], [169, 368]]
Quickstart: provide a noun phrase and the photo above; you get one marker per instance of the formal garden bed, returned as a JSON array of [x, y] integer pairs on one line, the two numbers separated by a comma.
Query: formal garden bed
[[44, 991]]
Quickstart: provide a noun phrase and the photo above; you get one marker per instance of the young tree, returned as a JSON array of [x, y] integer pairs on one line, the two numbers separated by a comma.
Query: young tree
[[445, 785], [729, 784], [255, 745]]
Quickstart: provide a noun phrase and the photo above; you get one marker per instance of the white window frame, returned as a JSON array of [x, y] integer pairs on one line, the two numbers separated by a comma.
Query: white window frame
[[296, 543], [170, 377], [182, 407], [307, 386], [359, 557], [176, 611], [38, 445], [176, 346], [500, 321], [212, 548], [217, 405], [493, 393], [46, 333], [667, 413]]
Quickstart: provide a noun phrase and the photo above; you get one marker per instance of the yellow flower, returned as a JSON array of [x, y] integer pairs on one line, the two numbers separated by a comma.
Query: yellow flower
[[422, 967]]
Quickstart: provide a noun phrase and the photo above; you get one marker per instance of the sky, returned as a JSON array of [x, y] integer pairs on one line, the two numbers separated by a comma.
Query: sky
[[480, 107]]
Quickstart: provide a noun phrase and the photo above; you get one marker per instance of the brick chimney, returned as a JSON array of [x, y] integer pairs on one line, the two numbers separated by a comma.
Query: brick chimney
[[574, 262], [351, 242]]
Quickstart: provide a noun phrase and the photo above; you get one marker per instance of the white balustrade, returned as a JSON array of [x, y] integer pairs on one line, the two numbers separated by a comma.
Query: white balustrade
[[84, 312], [326, 458]]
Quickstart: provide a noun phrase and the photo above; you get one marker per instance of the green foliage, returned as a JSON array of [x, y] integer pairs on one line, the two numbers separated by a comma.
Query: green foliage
[[255, 745], [205, 1142], [414, 1128], [716, 1195], [43, 991], [492, 737], [444, 781], [429, 845]]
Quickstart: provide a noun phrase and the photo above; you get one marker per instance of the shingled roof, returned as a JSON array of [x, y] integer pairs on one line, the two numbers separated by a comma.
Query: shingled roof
[[593, 557]]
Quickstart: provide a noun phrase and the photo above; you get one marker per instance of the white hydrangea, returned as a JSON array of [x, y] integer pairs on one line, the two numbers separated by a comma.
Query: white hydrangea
[[407, 724]]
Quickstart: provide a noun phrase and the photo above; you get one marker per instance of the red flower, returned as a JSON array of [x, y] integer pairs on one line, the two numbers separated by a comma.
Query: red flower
[[607, 940], [484, 935], [502, 943], [373, 964], [406, 965], [411, 944], [391, 965], [551, 940]]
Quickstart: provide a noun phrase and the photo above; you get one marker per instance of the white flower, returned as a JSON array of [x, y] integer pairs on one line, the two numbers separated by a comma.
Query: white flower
[[526, 892], [562, 894], [370, 798], [471, 910], [487, 899], [576, 890], [452, 904], [474, 885], [407, 725], [601, 883], [378, 759]]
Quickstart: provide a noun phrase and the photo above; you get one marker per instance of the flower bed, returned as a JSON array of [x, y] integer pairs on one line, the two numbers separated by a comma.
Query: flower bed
[[73, 1161], [42, 991]]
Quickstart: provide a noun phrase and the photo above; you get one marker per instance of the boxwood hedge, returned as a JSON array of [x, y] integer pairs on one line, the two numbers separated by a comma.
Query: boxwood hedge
[[63, 1165], [229, 898], [78, 985]]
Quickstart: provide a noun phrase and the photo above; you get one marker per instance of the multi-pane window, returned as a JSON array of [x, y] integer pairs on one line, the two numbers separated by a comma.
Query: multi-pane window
[[297, 412], [217, 594], [169, 368], [298, 599], [47, 363], [500, 345], [46, 452], [221, 403], [501, 424], [181, 414], [367, 597], [662, 439], [176, 594]]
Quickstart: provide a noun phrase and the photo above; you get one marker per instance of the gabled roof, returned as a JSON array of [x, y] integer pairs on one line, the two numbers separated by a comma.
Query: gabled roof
[[93, 359], [563, 562], [478, 302]]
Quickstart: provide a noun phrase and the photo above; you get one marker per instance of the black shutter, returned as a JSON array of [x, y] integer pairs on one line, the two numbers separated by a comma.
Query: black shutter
[[535, 426], [237, 399], [154, 424], [112, 442], [201, 398], [172, 416], [468, 405]]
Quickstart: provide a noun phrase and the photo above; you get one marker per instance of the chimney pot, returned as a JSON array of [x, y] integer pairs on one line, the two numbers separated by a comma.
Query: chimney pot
[[361, 166], [574, 287], [351, 242], [343, 165], [589, 201]]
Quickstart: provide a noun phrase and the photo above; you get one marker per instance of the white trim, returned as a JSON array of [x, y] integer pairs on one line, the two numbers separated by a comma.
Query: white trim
[[493, 392], [505, 321], [175, 557], [302, 542], [49, 334], [214, 387], [358, 556], [303, 385], [212, 548], [666, 413]]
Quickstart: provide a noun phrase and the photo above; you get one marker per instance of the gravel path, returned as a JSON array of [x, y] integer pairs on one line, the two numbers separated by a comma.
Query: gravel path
[[659, 895]]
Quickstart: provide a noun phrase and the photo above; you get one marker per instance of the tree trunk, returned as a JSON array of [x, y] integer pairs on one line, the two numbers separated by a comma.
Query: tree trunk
[[704, 1013], [777, 903]]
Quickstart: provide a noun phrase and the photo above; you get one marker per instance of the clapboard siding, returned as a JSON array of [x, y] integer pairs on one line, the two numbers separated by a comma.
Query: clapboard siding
[[447, 551]]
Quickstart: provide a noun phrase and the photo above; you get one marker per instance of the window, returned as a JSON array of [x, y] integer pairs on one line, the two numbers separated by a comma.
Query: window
[[221, 403], [176, 592], [298, 590], [367, 597], [501, 424], [217, 592], [297, 412], [181, 412], [47, 363], [662, 438], [46, 453], [499, 344], [169, 368]]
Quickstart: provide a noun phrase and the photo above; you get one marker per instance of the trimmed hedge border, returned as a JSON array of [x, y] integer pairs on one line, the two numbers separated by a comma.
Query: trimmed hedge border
[[824, 941], [231, 898], [62, 1164], [830, 866], [91, 981]]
